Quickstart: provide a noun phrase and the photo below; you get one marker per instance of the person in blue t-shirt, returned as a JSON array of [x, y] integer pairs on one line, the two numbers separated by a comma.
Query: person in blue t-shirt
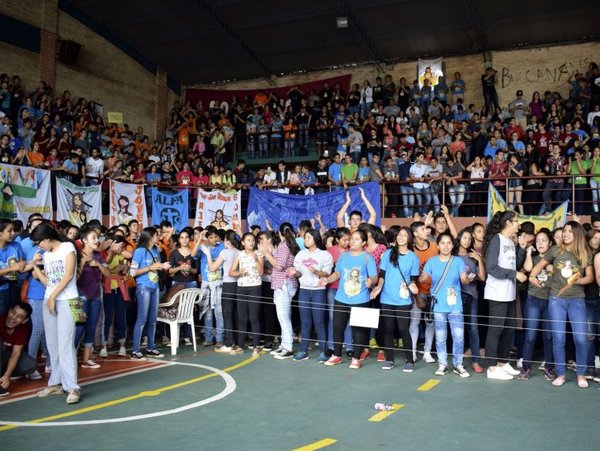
[[357, 272], [398, 274], [145, 265], [11, 263], [447, 303], [335, 172]]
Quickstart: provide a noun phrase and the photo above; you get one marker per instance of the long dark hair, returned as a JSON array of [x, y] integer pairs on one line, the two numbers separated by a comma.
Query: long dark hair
[[145, 238], [340, 232], [45, 231], [316, 237], [233, 238], [375, 232], [496, 225], [287, 231], [459, 238], [395, 252]]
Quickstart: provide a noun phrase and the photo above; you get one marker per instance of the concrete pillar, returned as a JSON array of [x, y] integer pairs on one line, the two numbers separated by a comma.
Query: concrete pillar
[[48, 41], [160, 104]]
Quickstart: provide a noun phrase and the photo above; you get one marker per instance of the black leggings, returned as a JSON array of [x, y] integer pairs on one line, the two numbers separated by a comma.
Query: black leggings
[[248, 307], [228, 296], [360, 335], [393, 315], [269, 314], [501, 329]]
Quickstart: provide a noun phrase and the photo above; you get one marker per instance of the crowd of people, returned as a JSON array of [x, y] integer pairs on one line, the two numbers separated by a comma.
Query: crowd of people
[[95, 289], [421, 142]]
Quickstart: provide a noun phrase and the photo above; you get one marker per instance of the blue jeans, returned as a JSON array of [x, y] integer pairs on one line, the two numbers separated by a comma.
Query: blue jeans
[[592, 308], [347, 333], [422, 199], [471, 307], [559, 310], [458, 337], [595, 187], [37, 327], [215, 311], [536, 309], [408, 200], [114, 304], [312, 305], [88, 330], [147, 309]]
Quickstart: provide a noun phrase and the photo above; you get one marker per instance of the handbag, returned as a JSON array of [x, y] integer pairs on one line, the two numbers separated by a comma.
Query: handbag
[[440, 282], [77, 311], [417, 298]]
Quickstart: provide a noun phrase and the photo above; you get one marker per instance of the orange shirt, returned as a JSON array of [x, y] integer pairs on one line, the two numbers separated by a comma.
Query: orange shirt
[[431, 251], [261, 99], [36, 158]]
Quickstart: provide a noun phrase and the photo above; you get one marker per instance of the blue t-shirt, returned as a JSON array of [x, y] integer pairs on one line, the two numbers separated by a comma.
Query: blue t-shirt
[[142, 258], [36, 289], [335, 171], [395, 291], [211, 276], [448, 296], [354, 271], [363, 172], [10, 255]]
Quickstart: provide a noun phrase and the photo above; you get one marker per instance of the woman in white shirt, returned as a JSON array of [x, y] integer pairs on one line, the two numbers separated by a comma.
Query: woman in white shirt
[[366, 99], [58, 275]]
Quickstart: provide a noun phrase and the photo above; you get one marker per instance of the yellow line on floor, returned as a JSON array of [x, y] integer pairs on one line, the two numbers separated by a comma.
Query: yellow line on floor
[[428, 385], [380, 416], [317, 445], [140, 395]]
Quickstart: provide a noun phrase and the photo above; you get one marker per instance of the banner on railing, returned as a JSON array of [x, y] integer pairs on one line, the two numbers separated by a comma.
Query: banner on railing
[[78, 204], [127, 202], [169, 206], [431, 70], [553, 220], [219, 209], [24, 191], [278, 208]]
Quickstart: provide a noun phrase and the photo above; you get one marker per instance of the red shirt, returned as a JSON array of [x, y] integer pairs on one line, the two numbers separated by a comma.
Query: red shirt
[[542, 141], [17, 338]]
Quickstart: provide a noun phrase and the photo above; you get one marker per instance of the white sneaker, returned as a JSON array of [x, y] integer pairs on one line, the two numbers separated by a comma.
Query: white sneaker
[[542, 366], [428, 358], [509, 369], [48, 369], [187, 341], [460, 370], [597, 362], [276, 351], [103, 352], [520, 363], [123, 351], [498, 374], [35, 376]]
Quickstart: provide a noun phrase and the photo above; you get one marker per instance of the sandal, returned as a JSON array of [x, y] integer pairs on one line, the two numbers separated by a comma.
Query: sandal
[[50, 390], [559, 381], [582, 382]]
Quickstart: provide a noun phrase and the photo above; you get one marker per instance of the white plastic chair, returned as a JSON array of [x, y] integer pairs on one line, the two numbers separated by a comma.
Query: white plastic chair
[[185, 315]]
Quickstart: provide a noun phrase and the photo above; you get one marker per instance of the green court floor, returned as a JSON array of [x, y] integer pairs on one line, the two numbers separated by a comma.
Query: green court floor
[[283, 405]]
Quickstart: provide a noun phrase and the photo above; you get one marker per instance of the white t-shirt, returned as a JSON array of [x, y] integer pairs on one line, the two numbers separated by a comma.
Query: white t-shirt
[[319, 259], [418, 172], [54, 267], [94, 166]]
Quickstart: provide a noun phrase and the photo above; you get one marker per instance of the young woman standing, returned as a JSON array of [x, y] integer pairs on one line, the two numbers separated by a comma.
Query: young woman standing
[[145, 265], [11, 261], [572, 270], [91, 268], [310, 264], [398, 275], [356, 272], [59, 276], [248, 267], [182, 264], [446, 274]]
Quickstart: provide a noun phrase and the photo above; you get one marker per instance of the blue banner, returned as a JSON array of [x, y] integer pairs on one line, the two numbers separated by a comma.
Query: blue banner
[[278, 208], [172, 207]]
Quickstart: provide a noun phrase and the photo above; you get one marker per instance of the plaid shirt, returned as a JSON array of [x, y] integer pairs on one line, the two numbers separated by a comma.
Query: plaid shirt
[[560, 165], [284, 257]]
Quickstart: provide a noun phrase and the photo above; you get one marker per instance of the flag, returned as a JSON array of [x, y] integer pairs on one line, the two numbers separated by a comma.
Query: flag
[[127, 202], [214, 204], [24, 190], [169, 206], [78, 204]]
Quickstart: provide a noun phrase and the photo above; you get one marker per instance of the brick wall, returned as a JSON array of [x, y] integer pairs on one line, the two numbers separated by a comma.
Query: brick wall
[[22, 62]]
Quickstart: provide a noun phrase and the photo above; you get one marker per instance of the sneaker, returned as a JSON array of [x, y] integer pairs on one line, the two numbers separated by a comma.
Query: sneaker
[[409, 367], [137, 356], [355, 364], [477, 368], [498, 374], [350, 354], [206, 343], [373, 343], [549, 374], [460, 370], [144, 342], [90, 365], [441, 371], [333, 360], [509, 369], [322, 358], [223, 349], [219, 344], [520, 363], [301, 356], [572, 365], [597, 361], [365, 354], [276, 351], [590, 373], [284, 354], [381, 356], [542, 366], [187, 342], [255, 353], [3, 393], [525, 374], [328, 352], [166, 341], [35, 376], [50, 390], [122, 351], [48, 369], [236, 351], [73, 397], [268, 346], [103, 352], [154, 353], [428, 358], [387, 365]]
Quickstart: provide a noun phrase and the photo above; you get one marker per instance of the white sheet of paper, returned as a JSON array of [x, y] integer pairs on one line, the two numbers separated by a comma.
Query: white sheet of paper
[[364, 317]]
